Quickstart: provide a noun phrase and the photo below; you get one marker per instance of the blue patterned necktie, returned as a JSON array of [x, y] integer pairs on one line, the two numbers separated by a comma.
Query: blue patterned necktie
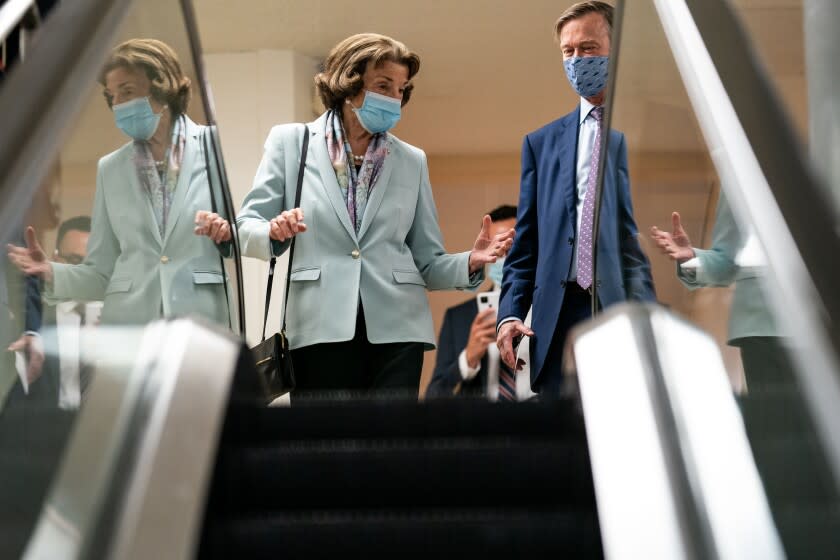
[[507, 383], [584, 250]]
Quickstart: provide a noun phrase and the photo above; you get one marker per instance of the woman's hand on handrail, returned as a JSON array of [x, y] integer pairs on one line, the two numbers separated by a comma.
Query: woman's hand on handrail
[[287, 225], [212, 225]]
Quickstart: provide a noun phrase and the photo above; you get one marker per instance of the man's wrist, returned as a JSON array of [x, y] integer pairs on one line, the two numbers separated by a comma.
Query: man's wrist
[[467, 372], [506, 320]]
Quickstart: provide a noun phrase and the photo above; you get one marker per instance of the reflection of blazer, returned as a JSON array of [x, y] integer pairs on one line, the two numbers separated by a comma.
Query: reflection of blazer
[[538, 265], [750, 314], [140, 276], [454, 336], [397, 255]]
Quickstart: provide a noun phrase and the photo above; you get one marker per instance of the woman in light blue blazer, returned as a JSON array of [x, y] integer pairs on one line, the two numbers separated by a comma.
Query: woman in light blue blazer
[[752, 326], [144, 259], [369, 244]]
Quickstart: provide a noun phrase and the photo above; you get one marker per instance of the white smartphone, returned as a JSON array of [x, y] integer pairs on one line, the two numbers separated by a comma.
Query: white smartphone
[[487, 300]]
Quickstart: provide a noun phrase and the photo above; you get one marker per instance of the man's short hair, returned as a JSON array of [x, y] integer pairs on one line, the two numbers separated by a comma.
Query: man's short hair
[[581, 9], [503, 212], [79, 223]]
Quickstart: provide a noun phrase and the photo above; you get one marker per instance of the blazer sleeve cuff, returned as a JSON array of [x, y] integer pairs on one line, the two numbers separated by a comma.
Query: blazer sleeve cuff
[[470, 281], [255, 242]]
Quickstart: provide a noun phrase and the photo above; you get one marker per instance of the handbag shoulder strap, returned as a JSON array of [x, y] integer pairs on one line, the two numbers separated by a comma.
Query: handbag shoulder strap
[[303, 151]]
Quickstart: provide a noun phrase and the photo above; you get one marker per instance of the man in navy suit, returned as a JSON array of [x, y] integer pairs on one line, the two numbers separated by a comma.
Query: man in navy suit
[[551, 263], [462, 362]]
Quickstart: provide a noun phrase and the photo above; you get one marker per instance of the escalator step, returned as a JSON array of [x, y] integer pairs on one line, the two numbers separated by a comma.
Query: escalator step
[[398, 473], [407, 534], [384, 419]]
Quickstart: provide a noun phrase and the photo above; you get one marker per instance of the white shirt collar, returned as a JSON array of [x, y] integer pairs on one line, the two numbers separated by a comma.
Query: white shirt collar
[[585, 108]]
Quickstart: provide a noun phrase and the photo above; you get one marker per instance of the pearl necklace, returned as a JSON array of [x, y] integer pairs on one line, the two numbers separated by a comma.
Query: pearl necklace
[[358, 159]]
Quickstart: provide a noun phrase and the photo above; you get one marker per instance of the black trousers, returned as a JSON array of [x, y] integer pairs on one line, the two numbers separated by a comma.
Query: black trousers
[[357, 368], [577, 307], [766, 361]]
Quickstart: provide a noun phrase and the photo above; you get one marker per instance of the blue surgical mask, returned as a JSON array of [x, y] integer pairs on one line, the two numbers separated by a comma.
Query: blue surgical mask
[[587, 74], [136, 118], [494, 271], [378, 112]]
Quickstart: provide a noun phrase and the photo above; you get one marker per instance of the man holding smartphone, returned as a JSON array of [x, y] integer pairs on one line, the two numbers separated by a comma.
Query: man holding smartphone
[[468, 363]]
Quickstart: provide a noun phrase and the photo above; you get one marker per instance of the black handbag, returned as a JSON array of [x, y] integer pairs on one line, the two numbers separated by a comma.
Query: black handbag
[[272, 356]]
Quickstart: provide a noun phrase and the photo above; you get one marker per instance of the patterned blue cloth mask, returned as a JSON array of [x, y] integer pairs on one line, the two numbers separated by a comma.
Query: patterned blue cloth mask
[[378, 113], [136, 118], [587, 74], [494, 272]]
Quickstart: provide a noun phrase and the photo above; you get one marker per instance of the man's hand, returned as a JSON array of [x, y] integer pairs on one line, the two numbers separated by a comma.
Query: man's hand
[[676, 244], [486, 248], [482, 334], [507, 332], [33, 349], [287, 225], [212, 225], [31, 260]]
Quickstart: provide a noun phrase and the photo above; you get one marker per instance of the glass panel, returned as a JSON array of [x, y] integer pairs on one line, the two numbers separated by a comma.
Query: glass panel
[[707, 263], [110, 242], [777, 31]]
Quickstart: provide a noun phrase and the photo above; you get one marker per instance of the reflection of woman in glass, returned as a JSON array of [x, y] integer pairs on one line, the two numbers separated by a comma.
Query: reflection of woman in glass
[[144, 259], [369, 244]]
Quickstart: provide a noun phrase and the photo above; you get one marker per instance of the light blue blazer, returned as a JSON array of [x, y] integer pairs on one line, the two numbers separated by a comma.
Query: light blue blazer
[[750, 314], [397, 255], [139, 275]]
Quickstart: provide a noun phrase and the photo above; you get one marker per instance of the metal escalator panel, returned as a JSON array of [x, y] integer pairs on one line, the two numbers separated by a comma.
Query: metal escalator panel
[[103, 233], [673, 470], [737, 229]]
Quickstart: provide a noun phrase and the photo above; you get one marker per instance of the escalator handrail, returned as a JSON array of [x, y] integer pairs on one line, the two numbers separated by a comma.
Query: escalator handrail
[[46, 94], [12, 13]]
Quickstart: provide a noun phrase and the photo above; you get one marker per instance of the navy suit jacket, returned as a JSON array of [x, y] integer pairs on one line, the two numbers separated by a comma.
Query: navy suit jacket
[[454, 335], [537, 268]]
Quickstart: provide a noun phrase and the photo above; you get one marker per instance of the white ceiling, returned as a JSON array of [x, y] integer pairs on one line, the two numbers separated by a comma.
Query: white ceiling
[[490, 70]]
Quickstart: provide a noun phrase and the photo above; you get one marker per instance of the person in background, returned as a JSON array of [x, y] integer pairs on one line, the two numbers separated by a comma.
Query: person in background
[[68, 318], [467, 363], [368, 240], [550, 266], [144, 259], [752, 327]]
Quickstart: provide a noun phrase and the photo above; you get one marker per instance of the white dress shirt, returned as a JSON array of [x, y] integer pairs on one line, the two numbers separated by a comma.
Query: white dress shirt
[[523, 377], [587, 131], [68, 331]]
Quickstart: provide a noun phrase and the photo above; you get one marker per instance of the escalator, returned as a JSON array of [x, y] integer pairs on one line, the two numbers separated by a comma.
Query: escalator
[[175, 454], [400, 479]]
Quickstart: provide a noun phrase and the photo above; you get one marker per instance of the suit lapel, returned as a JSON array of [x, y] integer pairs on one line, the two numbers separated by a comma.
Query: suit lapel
[[140, 194], [184, 176], [568, 139], [378, 190], [318, 148]]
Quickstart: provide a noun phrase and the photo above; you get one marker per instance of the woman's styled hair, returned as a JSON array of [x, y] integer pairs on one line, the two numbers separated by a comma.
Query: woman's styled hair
[[345, 66], [160, 64]]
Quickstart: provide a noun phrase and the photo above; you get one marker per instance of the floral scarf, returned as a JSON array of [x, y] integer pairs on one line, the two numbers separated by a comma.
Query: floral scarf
[[356, 186], [160, 185]]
